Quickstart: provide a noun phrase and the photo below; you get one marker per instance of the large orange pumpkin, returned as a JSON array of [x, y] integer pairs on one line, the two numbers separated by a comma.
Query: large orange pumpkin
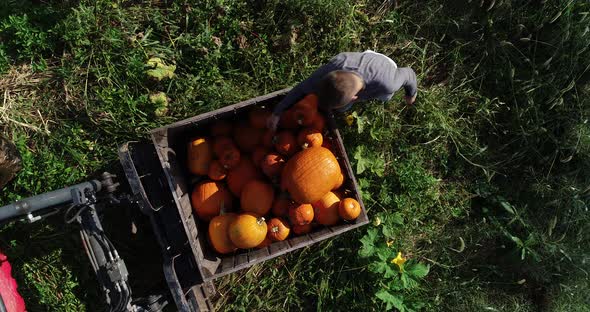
[[339, 181], [286, 143], [257, 197], [310, 174], [325, 211], [300, 215], [218, 233], [258, 117], [272, 165], [199, 156], [247, 230], [349, 209], [216, 171], [243, 173], [281, 206], [247, 137], [309, 137], [208, 198], [221, 128], [278, 229]]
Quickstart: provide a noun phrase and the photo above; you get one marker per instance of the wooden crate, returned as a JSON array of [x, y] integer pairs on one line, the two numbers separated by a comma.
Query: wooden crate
[[170, 142]]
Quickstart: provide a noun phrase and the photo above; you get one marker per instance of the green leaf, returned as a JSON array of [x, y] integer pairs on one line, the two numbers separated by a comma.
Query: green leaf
[[160, 101], [368, 243], [159, 70], [391, 300], [418, 270], [361, 162]]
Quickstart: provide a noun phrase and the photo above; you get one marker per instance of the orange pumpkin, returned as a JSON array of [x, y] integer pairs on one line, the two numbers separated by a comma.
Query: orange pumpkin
[[258, 117], [349, 209], [208, 198], [265, 243], [339, 181], [306, 110], [221, 128], [218, 233], [278, 230], [221, 144], [243, 173], [257, 197], [280, 207], [288, 120], [286, 144], [268, 139], [302, 229], [326, 209], [300, 215], [318, 123], [259, 154], [247, 137], [216, 171], [199, 156], [310, 174], [230, 158], [309, 137], [272, 165], [247, 230]]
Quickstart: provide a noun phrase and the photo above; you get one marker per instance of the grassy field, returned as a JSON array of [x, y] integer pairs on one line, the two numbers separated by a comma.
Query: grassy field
[[484, 185]]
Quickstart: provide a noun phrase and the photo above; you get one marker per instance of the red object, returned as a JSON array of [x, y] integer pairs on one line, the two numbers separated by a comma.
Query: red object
[[12, 299]]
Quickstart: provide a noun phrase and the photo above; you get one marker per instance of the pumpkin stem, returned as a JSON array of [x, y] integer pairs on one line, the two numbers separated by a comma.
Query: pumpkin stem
[[305, 145], [260, 221], [274, 229]]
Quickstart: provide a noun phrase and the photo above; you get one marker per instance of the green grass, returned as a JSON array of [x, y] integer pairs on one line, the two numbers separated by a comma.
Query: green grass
[[484, 180]]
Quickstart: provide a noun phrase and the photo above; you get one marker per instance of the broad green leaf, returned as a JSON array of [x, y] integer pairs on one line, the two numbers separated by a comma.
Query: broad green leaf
[[160, 102], [391, 300], [418, 270], [361, 162], [368, 243], [159, 70]]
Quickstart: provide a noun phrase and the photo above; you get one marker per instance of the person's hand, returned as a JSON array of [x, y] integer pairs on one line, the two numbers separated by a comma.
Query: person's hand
[[410, 99], [272, 122]]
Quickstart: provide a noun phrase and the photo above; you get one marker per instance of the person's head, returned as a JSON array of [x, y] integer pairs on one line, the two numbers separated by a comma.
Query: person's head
[[338, 88]]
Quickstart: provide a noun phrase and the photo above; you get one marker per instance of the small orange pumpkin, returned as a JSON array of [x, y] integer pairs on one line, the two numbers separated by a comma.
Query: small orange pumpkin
[[258, 117], [288, 120], [257, 197], [247, 230], [300, 215], [309, 137], [272, 165], [218, 233], [216, 171], [349, 209], [302, 229], [208, 198], [247, 137], [230, 158], [310, 174], [326, 209], [286, 144], [278, 230], [258, 155], [306, 110], [243, 173], [221, 128], [281, 206], [199, 156], [318, 123]]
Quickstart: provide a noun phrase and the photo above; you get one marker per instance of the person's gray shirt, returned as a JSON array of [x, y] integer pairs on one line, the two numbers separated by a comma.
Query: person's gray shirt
[[380, 74]]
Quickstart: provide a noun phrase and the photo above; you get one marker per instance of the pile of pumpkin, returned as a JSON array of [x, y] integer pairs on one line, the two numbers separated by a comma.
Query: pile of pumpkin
[[290, 178]]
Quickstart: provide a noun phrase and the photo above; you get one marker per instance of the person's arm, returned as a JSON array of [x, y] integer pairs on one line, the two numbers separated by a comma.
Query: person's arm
[[406, 77]]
